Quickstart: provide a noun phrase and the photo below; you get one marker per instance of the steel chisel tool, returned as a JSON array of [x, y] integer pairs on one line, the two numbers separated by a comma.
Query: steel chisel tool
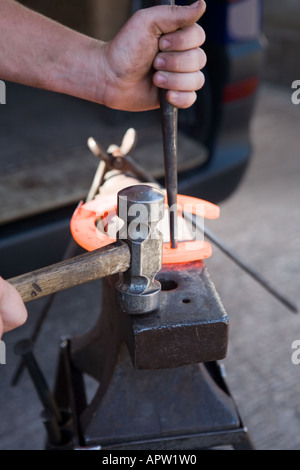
[[169, 115]]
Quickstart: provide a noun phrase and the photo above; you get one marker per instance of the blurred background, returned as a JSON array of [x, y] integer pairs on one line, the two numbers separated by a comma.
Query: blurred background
[[238, 147]]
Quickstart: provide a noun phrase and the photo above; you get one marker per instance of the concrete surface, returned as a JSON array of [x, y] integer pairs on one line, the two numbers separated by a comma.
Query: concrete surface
[[281, 23], [261, 222]]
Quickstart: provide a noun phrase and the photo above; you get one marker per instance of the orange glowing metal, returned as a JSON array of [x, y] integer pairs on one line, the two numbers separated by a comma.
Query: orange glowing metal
[[86, 233]]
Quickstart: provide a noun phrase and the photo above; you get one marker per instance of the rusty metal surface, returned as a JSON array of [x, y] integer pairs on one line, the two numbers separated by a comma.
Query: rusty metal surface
[[190, 326]]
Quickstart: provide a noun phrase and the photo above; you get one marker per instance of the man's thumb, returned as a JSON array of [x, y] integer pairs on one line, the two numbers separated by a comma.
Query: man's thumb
[[171, 18]]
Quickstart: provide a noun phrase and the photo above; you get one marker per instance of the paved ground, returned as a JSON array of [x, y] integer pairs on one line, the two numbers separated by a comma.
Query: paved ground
[[261, 222]]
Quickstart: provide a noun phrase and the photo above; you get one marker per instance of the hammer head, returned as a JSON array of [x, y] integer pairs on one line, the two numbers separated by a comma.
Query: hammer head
[[141, 207]]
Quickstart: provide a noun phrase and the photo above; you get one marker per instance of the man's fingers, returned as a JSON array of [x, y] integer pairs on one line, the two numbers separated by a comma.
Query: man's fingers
[[183, 39], [179, 81], [12, 309], [187, 61], [179, 63], [181, 99]]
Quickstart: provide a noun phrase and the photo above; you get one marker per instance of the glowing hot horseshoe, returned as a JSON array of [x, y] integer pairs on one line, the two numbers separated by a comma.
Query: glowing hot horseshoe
[[86, 233]]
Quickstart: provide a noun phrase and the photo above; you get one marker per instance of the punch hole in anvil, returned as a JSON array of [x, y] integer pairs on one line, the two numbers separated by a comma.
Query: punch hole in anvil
[[169, 284]]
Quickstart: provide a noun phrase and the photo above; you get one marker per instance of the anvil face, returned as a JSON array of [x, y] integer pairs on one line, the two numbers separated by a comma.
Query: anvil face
[[191, 325]]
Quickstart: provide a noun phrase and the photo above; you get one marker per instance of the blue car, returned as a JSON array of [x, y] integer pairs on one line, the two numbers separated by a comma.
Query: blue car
[[221, 117]]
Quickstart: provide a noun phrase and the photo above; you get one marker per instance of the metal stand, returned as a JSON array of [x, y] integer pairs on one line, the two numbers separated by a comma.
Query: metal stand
[[155, 391], [188, 408]]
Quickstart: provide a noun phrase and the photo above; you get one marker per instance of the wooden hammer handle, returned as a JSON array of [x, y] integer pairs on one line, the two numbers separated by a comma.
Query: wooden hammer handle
[[111, 259]]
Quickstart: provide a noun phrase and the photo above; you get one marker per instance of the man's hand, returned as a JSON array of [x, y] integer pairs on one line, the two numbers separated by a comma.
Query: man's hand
[[12, 309], [164, 38], [158, 47]]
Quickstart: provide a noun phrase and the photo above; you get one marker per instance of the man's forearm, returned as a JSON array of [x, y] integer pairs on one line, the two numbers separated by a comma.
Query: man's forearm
[[158, 47], [36, 51]]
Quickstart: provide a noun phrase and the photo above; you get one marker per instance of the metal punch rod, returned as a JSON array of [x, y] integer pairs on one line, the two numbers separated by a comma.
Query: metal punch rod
[[169, 115]]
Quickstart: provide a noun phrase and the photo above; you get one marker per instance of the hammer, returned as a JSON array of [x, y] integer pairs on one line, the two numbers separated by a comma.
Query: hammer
[[137, 253]]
